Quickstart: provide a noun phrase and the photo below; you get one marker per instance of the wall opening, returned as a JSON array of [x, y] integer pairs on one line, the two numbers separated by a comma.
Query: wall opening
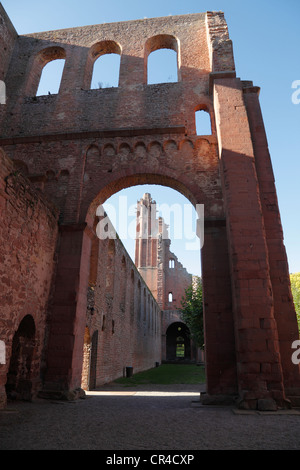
[[202, 122], [180, 348], [19, 376], [46, 72], [106, 71], [103, 65], [51, 77], [178, 343], [162, 61], [121, 207], [162, 67], [176, 210]]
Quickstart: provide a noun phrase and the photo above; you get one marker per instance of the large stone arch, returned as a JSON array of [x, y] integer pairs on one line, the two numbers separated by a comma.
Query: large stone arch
[[82, 237]]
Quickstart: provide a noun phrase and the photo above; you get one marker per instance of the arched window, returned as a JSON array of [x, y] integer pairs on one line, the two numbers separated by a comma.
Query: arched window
[[171, 263], [202, 122], [104, 62], [106, 71], [46, 72], [162, 67], [162, 63], [170, 297], [51, 77]]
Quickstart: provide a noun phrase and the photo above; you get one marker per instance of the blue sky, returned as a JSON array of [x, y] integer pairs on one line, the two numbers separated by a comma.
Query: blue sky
[[266, 43]]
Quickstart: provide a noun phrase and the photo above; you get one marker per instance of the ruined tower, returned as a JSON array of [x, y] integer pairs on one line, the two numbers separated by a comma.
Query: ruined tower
[[163, 273]]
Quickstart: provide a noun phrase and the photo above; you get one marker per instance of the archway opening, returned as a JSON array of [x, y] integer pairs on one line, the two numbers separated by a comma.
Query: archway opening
[[106, 71], [51, 77], [127, 296], [162, 67], [173, 207], [162, 59], [19, 376], [103, 66], [202, 122], [178, 343]]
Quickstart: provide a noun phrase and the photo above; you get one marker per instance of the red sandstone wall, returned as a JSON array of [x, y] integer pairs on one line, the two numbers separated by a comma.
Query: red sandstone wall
[[27, 244], [176, 280], [138, 104], [8, 38], [109, 133], [124, 313]]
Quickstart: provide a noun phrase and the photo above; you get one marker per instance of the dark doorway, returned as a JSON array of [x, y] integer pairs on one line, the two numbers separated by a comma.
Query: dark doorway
[[178, 342], [19, 384]]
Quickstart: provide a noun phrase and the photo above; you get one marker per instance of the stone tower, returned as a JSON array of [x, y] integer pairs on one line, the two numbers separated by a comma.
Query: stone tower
[[165, 276], [163, 273]]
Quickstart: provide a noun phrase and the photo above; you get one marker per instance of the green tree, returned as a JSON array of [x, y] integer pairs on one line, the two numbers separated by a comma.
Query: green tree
[[192, 311], [295, 285]]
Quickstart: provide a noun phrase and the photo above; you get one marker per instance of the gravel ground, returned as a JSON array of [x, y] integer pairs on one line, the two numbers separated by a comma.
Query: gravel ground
[[144, 418]]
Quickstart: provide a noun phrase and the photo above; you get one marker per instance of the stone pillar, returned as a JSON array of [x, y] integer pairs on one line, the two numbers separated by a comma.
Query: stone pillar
[[68, 311], [259, 371], [219, 340], [284, 310]]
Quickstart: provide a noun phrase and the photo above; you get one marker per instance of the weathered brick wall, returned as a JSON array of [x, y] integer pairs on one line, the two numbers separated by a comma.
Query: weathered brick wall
[[176, 279], [76, 107], [28, 235], [67, 134], [75, 171], [8, 37], [124, 314], [219, 43]]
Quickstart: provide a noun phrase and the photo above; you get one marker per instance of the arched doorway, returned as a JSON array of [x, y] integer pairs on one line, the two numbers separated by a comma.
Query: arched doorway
[[178, 343], [19, 378]]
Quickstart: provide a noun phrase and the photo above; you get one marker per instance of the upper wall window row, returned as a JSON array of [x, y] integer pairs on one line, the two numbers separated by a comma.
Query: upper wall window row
[[161, 65]]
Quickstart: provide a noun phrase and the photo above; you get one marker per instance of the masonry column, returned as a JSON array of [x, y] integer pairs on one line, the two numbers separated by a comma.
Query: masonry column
[[220, 360], [284, 310], [68, 311], [259, 371]]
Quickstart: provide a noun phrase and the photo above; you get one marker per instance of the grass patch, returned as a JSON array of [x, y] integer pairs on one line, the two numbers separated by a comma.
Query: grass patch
[[167, 374]]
